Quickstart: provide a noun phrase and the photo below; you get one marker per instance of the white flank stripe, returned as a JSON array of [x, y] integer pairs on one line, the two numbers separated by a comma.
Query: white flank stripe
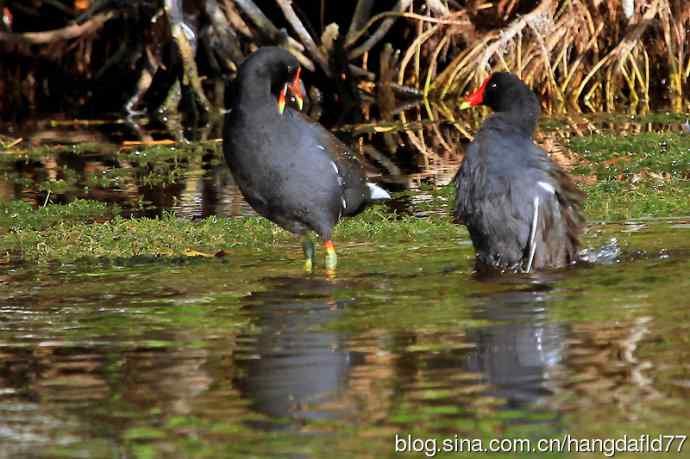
[[547, 187], [533, 233]]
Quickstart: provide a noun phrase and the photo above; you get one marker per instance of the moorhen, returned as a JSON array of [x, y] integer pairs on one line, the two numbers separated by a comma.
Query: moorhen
[[522, 211], [289, 168]]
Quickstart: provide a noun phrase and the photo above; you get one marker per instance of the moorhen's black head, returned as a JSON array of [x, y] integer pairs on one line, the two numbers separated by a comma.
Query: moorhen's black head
[[503, 92], [270, 70]]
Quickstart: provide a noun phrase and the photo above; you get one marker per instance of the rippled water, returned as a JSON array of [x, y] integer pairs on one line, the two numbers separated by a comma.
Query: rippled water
[[248, 357]]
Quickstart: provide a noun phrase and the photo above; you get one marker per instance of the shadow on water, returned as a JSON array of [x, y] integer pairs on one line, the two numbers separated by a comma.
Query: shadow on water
[[522, 346]]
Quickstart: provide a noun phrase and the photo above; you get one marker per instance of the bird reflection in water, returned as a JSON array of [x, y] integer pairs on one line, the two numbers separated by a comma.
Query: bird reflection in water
[[521, 348], [297, 369], [293, 366]]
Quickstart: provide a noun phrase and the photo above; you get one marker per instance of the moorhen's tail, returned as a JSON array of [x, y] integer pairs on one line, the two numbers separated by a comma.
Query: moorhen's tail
[[571, 200], [376, 193]]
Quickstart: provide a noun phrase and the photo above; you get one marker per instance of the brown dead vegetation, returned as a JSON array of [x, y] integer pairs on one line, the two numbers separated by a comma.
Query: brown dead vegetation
[[373, 58], [593, 54]]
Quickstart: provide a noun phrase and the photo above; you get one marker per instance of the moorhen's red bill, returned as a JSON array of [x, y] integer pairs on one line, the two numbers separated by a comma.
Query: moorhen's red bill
[[522, 211], [289, 168]]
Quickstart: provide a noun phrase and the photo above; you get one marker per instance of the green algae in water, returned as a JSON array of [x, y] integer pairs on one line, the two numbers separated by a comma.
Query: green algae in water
[[77, 170]]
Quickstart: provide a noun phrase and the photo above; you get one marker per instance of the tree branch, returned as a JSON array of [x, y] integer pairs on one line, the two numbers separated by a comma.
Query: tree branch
[[360, 17], [66, 33], [272, 34], [383, 29], [303, 34], [265, 26]]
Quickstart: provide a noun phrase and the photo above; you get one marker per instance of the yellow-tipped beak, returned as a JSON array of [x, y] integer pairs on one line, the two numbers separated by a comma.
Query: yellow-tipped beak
[[296, 89], [281, 99], [465, 105]]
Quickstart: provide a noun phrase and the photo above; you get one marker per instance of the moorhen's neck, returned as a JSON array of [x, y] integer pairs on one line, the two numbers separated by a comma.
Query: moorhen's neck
[[521, 109], [254, 93], [260, 77]]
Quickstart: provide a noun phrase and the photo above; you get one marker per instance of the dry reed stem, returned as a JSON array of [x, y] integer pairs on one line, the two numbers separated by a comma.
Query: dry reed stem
[[623, 48], [573, 56], [401, 14], [490, 45], [432, 68], [301, 31], [411, 50], [547, 61], [449, 116], [65, 33], [378, 35], [580, 58]]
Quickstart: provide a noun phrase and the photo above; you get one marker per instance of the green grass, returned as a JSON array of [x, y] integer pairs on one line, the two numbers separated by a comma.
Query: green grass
[[612, 156], [642, 175], [612, 201], [74, 231], [18, 216]]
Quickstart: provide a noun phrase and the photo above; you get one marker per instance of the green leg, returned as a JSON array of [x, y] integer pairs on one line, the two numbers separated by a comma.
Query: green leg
[[308, 247], [331, 257]]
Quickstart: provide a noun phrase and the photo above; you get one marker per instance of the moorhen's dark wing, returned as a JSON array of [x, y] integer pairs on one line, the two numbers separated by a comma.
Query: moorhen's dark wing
[[279, 162], [485, 204], [350, 174], [471, 172]]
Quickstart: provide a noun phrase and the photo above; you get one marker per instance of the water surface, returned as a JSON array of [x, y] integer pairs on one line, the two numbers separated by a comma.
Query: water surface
[[246, 356]]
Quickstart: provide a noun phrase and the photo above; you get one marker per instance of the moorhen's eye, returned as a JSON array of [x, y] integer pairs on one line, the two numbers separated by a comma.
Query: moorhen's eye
[[493, 85]]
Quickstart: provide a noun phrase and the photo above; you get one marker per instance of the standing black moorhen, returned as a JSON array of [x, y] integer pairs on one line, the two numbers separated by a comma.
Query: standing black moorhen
[[522, 211], [289, 168]]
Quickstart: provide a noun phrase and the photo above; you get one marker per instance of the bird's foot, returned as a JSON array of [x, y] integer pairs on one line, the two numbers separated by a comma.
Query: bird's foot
[[308, 247], [331, 257]]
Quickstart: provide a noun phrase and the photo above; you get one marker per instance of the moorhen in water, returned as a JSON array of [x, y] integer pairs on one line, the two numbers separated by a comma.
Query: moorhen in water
[[522, 211], [289, 168]]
